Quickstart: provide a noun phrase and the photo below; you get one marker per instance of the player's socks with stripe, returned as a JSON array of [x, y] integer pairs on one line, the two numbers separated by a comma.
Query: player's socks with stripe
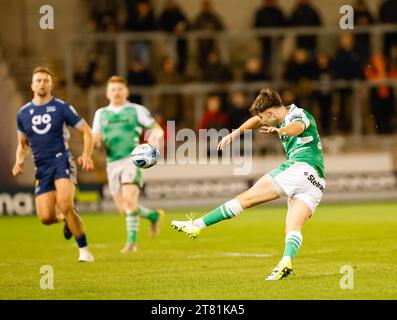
[[149, 214], [132, 223], [293, 241], [227, 210], [154, 216], [85, 255]]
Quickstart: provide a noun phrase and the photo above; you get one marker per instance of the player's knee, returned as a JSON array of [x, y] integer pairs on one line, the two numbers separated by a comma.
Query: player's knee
[[47, 220], [65, 207], [46, 215], [247, 200], [131, 205], [247, 203]]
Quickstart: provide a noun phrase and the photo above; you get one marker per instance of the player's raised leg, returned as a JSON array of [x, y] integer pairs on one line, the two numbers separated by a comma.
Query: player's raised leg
[[130, 193], [64, 195], [298, 213], [154, 216], [262, 191]]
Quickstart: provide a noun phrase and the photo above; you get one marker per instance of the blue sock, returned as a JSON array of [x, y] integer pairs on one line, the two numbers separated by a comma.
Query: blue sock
[[81, 241]]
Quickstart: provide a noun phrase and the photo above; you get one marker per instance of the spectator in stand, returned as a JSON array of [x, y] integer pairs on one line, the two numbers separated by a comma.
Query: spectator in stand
[[382, 100], [269, 15], [301, 72], [207, 20], [104, 15], [324, 74], [288, 97], [300, 67], [362, 17], [388, 14], [169, 73], [238, 109], [254, 71], [393, 63], [215, 71], [305, 15], [139, 75], [85, 79], [214, 117], [173, 20], [141, 19], [171, 105], [348, 66]]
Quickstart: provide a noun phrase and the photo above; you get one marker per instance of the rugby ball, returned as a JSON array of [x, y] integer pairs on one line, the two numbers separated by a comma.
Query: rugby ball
[[145, 155]]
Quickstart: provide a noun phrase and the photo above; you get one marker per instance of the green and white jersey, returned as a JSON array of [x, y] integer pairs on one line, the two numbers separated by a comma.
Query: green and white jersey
[[305, 147], [121, 128]]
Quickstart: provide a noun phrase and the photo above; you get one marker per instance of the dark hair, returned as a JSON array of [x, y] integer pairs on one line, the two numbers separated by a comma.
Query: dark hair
[[42, 70], [267, 98]]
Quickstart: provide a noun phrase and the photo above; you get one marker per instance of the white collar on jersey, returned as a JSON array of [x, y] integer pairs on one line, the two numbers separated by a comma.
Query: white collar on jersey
[[116, 109], [291, 107]]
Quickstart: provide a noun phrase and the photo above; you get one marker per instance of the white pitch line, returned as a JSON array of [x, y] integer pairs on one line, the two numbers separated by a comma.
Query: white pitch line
[[242, 254], [231, 254]]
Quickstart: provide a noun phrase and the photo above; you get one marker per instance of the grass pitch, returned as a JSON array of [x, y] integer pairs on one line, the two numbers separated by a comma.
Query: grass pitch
[[228, 261]]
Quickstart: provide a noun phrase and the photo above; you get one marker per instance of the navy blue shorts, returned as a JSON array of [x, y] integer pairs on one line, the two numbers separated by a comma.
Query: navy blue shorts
[[59, 167]]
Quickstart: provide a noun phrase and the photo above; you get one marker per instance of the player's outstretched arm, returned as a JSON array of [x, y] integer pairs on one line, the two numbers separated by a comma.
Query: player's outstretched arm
[[290, 130], [21, 154], [156, 134], [85, 159], [251, 124]]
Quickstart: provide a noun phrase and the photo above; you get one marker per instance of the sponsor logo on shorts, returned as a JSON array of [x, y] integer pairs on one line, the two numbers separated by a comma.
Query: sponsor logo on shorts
[[315, 183]]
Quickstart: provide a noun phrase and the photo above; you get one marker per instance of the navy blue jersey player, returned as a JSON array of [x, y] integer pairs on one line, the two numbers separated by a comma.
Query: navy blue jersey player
[[42, 126]]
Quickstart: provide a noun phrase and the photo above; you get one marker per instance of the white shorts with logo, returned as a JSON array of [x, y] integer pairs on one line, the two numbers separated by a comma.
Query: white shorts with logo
[[122, 172], [299, 180]]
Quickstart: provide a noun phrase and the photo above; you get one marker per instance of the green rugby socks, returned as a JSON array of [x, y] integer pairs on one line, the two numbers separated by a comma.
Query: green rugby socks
[[132, 223], [227, 210], [146, 213], [293, 241]]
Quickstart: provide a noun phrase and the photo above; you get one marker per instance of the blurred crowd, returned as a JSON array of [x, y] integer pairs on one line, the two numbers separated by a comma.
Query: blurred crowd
[[353, 59]]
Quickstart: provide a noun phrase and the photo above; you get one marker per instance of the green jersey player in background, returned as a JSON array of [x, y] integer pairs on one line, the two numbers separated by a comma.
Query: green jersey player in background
[[301, 178], [119, 127]]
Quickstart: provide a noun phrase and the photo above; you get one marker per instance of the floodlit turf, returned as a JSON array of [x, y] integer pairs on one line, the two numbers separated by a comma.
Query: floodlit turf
[[228, 261]]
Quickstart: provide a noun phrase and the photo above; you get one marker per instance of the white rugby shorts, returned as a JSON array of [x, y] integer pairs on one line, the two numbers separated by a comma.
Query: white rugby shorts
[[299, 180]]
